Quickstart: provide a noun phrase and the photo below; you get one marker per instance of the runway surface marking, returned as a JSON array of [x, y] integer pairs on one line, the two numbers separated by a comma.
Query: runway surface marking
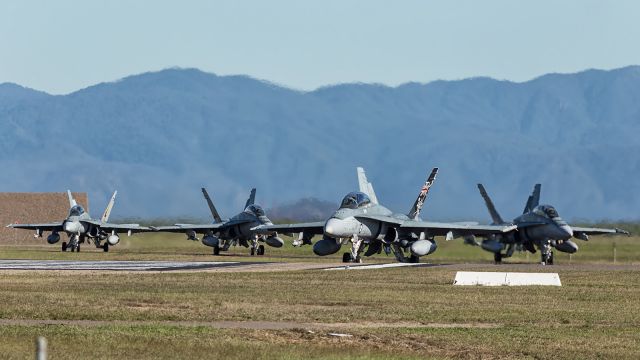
[[114, 265], [378, 266]]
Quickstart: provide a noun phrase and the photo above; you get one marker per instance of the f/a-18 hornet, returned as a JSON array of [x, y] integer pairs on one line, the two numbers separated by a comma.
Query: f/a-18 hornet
[[221, 234], [366, 224], [539, 226], [80, 227]]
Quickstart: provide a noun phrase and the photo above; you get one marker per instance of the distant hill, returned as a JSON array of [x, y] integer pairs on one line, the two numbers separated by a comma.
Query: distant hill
[[307, 209], [158, 137]]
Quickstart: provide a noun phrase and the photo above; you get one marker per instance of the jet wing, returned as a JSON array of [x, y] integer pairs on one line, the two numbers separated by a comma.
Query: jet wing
[[133, 228], [107, 227], [198, 228], [436, 228], [598, 231], [43, 227], [583, 233], [442, 229], [315, 228]]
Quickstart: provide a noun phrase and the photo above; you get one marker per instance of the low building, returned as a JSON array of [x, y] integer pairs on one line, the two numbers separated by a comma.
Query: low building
[[29, 208]]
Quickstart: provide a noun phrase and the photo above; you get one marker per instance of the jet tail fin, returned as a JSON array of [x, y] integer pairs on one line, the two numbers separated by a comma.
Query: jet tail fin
[[252, 198], [72, 201], [536, 196], [495, 217], [422, 196], [533, 200], [214, 212], [107, 210], [365, 186]]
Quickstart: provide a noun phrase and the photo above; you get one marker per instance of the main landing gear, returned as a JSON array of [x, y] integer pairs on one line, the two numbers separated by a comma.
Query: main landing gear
[[257, 250], [348, 258], [73, 245]]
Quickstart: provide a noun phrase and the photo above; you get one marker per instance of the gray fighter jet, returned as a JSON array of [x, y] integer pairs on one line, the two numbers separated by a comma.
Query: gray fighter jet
[[222, 234], [539, 226], [80, 227], [364, 223]]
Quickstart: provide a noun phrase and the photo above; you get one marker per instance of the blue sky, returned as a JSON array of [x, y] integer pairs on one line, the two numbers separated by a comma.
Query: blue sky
[[62, 46]]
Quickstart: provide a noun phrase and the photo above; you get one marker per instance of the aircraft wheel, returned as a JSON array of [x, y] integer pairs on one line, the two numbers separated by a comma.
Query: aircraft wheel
[[78, 248], [64, 246], [550, 258], [216, 250], [253, 251], [105, 247], [261, 250], [497, 258], [414, 259], [346, 257]]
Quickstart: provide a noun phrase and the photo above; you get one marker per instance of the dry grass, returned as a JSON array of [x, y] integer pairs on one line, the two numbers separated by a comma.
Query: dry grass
[[593, 315]]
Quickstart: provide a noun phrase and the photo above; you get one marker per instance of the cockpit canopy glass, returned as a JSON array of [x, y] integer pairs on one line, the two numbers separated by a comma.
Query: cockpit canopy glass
[[355, 200], [76, 210], [547, 211], [255, 209]]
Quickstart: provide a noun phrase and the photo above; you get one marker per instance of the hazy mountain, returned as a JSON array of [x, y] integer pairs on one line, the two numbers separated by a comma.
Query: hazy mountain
[[158, 137], [307, 209]]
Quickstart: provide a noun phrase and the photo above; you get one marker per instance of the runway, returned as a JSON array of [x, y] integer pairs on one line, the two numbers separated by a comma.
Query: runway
[[375, 266], [117, 265]]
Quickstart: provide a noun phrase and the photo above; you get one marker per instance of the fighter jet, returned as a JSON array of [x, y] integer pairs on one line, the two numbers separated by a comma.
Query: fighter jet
[[222, 234], [80, 227], [366, 224], [539, 226]]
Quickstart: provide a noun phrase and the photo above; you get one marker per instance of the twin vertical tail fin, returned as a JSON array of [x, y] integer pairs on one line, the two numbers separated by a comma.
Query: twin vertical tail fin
[[533, 200], [214, 212], [72, 201], [107, 210], [495, 217], [365, 186], [414, 213], [252, 198]]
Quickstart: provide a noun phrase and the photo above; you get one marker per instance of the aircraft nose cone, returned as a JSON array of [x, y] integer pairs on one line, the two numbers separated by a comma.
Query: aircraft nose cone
[[567, 230], [333, 227]]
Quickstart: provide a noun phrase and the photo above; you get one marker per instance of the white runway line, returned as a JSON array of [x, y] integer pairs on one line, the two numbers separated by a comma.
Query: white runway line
[[368, 267], [109, 265]]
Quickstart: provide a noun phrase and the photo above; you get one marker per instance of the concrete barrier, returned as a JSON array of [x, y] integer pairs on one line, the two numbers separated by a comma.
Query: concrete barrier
[[506, 279]]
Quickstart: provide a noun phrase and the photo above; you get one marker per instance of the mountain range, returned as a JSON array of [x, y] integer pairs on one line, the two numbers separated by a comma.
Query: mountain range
[[158, 137]]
